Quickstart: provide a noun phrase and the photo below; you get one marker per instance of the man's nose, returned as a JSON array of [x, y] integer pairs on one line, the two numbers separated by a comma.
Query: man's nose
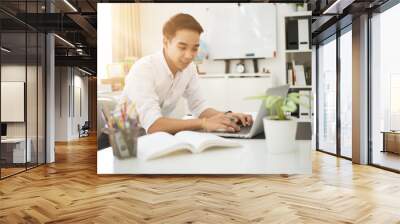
[[189, 55]]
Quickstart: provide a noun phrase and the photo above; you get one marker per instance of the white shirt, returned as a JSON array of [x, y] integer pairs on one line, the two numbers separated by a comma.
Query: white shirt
[[151, 85]]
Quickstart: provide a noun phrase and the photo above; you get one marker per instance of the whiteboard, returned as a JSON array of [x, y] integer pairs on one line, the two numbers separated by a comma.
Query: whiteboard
[[230, 31], [12, 101], [246, 30]]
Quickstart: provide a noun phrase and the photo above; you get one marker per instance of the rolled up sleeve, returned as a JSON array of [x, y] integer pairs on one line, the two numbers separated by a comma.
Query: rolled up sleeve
[[140, 88], [196, 102]]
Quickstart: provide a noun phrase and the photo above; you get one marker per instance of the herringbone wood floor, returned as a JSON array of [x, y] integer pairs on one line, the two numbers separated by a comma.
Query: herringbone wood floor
[[70, 191]]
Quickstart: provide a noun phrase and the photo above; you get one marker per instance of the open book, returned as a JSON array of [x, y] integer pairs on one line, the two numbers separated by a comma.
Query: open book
[[161, 143]]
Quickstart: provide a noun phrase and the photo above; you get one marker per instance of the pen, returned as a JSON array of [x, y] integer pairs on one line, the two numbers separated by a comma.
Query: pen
[[104, 116]]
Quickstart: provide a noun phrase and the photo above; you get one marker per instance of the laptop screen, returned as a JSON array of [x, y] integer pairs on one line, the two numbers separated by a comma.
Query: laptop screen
[[3, 129]]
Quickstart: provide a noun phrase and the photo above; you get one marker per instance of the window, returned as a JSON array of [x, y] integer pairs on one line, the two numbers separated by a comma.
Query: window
[[327, 96], [346, 93], [22, 66], [385, 89]]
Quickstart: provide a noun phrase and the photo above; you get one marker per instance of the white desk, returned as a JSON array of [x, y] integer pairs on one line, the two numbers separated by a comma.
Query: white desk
[[251, 158], [19, 149]]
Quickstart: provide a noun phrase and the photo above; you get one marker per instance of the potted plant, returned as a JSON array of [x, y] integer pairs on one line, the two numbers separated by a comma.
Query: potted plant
[[279, 126], [301, 7]]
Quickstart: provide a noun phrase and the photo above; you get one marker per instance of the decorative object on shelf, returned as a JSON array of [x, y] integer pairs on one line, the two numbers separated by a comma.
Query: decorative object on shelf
[[265, 71], [240, 68], [280, 127], [116, 73], [228, 63], [202, 54], [301, 7]]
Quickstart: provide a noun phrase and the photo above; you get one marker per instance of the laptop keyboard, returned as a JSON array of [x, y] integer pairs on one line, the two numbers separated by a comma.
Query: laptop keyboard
[[243, 131]]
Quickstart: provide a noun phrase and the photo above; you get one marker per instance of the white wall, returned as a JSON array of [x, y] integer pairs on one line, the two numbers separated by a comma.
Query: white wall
[[33, 127], [16, 73], [61, 103], [104, 35], [68, 80], [154, 16]]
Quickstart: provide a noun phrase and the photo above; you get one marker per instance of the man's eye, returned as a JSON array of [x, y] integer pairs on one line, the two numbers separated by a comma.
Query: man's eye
[[182, 48]]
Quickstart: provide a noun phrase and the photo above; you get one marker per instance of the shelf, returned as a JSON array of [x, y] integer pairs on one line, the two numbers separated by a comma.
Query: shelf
[[236, 75], [299, 13], [300, 87], [244, 75], [298, 51]]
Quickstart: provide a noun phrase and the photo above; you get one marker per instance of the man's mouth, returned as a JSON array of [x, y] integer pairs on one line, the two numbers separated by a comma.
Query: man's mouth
[[185, 63]]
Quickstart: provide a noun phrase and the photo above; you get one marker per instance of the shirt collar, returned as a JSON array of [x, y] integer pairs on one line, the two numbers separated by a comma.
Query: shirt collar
[[165, 64]]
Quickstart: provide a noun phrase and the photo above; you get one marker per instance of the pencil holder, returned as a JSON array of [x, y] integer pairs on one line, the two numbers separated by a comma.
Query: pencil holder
[[123, 141]]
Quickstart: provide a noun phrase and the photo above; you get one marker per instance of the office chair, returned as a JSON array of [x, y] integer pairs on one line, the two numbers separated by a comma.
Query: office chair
[[84, 130]]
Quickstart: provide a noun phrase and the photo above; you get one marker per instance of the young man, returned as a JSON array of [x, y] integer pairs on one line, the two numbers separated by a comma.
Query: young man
[[156, 83]]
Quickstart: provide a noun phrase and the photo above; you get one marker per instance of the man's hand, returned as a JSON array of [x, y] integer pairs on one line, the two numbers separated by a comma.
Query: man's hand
[[220, 122], [245, 119]]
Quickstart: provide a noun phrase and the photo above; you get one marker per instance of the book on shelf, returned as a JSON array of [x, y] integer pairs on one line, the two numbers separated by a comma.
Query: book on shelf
[[305, 104], [161, 144], [298, 75], [290, 76], [294, 75]]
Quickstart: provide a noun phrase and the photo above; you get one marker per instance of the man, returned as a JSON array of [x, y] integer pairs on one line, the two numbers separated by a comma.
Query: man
[[156, 83]]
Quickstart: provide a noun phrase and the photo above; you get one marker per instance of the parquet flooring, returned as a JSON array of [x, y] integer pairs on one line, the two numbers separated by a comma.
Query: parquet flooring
[[9, 171], [70, 191]]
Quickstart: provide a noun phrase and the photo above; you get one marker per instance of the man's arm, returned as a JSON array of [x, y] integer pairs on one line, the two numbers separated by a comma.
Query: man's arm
[[245, 119], [209, 112], [173, 126], [211, 120]]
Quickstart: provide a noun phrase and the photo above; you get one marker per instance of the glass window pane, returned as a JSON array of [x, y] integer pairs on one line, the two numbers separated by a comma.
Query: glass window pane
[[23, 84], [31, 97], [41, 98], [346, 94], [327, 97], [13, 86], [385, 89]]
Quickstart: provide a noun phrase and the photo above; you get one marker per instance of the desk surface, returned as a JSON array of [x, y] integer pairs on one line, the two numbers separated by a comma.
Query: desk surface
[[251, 158], [14, 140], [391, 132]]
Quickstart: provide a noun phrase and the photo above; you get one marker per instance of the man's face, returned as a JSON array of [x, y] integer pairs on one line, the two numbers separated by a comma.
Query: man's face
[[182, 48]]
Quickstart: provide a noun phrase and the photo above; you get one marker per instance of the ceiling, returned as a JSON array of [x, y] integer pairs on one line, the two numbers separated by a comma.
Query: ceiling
[[74, 21], [329, 16]]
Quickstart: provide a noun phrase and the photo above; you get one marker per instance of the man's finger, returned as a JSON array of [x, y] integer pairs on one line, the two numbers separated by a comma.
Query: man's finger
[[226, 128], [231, 124], [249, 119], [231, 117], [240, 117]]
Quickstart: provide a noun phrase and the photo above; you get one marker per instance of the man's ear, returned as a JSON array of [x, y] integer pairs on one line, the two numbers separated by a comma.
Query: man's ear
[[165, 41]]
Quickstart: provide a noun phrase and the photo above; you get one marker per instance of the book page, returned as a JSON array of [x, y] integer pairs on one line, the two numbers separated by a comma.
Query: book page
[[201, 141], [159, 144]]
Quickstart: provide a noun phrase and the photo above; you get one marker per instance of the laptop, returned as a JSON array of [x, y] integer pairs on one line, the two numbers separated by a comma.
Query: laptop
[[257, 127], [3, 131]]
